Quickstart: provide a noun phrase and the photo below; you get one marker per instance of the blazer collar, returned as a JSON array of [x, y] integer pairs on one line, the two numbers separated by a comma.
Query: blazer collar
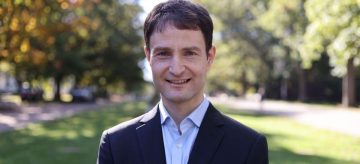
[[208, 138], [206, 143], [150, 137]]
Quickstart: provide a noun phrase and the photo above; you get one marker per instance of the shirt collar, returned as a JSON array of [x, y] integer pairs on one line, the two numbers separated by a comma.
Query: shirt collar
[[164, 115], [196, 116]]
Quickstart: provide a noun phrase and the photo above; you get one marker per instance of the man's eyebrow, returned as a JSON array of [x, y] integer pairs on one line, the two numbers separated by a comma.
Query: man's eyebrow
[[161, 49], [192, 49]]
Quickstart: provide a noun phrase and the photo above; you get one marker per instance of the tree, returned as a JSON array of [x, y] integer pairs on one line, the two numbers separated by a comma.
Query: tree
[[286, 20], [19, 24], [63, 38], [334, 29], [242, 45]]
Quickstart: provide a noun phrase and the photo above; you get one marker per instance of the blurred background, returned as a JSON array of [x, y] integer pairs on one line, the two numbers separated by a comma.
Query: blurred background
[[289, 69], [299, 50]]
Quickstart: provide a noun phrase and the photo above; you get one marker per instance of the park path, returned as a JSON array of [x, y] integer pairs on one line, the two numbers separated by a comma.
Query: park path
[[334, 118], [31, 113], [344, 120]]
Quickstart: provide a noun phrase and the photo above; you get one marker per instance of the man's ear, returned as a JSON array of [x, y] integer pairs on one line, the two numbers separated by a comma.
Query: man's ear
[[147, 53], [211, 55]]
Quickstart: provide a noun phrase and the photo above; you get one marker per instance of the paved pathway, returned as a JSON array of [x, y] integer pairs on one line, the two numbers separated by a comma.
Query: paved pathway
[[344, 120], [29, 113]]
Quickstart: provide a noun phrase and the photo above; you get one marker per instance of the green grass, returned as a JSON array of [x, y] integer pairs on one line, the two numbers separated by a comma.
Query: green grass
[[294, 143], [72, 140], [75, 140]]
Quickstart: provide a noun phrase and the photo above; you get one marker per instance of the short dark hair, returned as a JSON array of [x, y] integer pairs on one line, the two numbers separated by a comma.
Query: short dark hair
[[181, 14]]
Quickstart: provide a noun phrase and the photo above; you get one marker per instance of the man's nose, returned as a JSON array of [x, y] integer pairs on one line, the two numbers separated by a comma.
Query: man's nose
[[177, 66]]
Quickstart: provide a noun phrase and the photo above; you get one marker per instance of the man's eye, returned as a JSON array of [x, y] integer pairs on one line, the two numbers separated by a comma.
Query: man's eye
[[190, 53], [162, 54]]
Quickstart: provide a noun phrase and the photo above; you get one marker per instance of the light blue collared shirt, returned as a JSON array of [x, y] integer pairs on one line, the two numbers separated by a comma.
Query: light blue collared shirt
[[179, 142]]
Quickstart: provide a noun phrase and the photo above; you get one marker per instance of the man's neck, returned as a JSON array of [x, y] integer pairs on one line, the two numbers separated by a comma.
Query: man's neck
[[178, 111]]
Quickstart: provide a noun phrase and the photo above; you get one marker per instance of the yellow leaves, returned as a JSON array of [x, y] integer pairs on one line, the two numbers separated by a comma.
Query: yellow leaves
[[25, 2], [14, 41], [65, 5], [28, 2], [83, 32], [4, 53], [18, 58], [23, 18], [14, 25], [31, 24], [25, 46], [17, 2]]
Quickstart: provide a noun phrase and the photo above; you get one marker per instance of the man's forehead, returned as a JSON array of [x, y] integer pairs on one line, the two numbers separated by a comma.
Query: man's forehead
[[171, 24], [170, 35]]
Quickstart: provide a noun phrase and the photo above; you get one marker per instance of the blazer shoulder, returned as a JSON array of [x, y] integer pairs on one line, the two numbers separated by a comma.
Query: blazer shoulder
[[130, 124], [133, 124], [240, 135]]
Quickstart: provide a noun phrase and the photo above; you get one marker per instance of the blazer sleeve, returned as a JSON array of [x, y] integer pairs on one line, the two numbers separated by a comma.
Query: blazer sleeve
[[105, 153], [259, 152]]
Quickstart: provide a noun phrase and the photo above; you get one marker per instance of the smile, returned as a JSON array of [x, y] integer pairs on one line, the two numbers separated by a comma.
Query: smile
[[178, 81]]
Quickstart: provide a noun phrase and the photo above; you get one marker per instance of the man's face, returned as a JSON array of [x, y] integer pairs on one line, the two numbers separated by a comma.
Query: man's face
[[179, 64]]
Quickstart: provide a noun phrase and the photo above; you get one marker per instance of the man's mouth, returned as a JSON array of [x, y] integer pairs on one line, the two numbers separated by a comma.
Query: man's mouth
[[183, 81]]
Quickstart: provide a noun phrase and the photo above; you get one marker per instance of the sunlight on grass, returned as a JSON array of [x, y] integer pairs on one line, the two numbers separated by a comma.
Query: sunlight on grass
[[292, 142], [71, 140], [75, 140]]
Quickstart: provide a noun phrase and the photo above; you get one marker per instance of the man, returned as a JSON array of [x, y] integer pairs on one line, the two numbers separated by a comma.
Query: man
[[184, 127]]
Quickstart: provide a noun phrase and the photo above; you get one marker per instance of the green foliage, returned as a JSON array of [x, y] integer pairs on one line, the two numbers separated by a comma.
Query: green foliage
[[334, 28], [271, 42], [243, 47], [286, 20]]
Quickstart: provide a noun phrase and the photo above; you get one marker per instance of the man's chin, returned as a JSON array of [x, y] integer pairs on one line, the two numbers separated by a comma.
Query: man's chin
[[176, 99]]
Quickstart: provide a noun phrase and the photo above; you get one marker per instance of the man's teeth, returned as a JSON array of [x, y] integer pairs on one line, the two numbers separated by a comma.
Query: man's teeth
[[178, 81]]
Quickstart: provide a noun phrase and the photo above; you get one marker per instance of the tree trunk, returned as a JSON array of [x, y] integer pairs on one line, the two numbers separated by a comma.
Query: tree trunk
[[284, 89], [302, 84], [244, 83], [58, 79], [348, 85]]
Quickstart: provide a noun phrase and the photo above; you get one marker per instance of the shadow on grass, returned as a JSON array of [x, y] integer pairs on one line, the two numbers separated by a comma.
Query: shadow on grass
[[283, 155], [70, 140], [279, 154]]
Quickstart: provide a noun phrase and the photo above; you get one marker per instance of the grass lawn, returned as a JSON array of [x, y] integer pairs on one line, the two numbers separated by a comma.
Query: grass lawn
[[75, 140]]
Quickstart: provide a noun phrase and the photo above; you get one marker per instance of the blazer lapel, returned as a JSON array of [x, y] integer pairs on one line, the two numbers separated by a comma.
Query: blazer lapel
[[150, 137], [209, 137]]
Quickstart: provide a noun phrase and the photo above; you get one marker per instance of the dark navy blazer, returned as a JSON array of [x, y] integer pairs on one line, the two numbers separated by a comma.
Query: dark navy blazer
[[220, 140]]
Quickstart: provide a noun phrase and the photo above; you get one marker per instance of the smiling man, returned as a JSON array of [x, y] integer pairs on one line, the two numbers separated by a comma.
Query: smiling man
[[184, 127]]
